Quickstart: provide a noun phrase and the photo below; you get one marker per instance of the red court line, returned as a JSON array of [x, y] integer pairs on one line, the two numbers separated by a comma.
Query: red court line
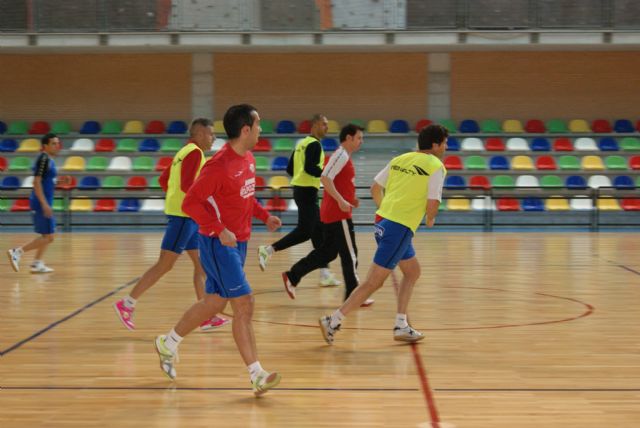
[[424, 382]]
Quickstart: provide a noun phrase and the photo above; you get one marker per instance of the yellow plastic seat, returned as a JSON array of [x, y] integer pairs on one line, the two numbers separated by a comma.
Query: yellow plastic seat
[[512, 125], [579, 125], [377, 126], [218, 128], [557, 204], [278, 181], [133, 127], [608, 204], [592, 162], [29, 145], [522, 162], [74, 163], [458, 204], [81, 205], [334, 127]]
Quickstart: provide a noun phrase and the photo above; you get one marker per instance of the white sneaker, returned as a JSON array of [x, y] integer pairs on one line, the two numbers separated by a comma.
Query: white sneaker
[[407, 334], [40, 268], [264, 382], [167, 358], [14, 255], [327, 331], [330, 281], [263, 257]]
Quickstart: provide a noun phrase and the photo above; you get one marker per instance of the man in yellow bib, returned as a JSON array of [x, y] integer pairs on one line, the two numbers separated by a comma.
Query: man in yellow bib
[[409, 187]]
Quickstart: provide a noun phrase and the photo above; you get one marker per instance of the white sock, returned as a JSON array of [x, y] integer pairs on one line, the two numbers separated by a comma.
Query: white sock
[[19, 250], [173, 340], [254, 370], [130, 302], [37, 263], [269, 250], [401, 320], [325, 273], [336, 319]]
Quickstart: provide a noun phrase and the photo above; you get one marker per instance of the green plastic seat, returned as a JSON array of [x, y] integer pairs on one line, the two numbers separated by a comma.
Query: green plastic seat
[[18, 127], [97, 163], [556, 126], [112, 127], [127, 145], [358, 122], [551, 181], [59, 205], [171, 145], [143, 163], [638, 182], [450, 124], [569, 162], [443, 205], [284, 145], [61, 127], [475, 162], [503, 181], [20, 163], [630, 143], [113, 181], [154, 182], [262, 163], [615, 162], [5, 204], [490, 126], [267, 126]]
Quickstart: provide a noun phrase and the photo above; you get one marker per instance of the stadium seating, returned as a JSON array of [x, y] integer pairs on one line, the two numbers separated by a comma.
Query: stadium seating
[[82, 145], [304, 127], [623, 126], [490, 126], [377, 126], [279, 163], [494, 144], [286, 127], [105, 145], [267, 126], [18, 127], [469, 126], [263, 145], [512, 126], [163, 163], [540, 144], [97, 163], [535, 126], [90, 127], [30, 145], [61, 127], [608, 144], [149, 145], [177, 127], [329, 144], [601, 126], [8, 145], [155, 127], [105, 205], [39, 127], [133, 127], [399, 126]]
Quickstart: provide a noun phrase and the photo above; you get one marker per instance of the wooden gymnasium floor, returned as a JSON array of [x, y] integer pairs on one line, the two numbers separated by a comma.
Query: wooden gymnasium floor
[[523, 330]]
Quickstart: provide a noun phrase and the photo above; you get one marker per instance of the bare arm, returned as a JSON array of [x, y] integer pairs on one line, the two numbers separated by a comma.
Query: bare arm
[[37, 189], [432, 211], [377, 192], [330, 188]]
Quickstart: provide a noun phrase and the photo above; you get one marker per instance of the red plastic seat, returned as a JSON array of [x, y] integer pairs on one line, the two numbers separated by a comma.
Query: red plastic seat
[[479, 182], [535, 126], [66, 182], [276, 204], [453, 162], [422, 123], [39, 127], [507, 204], [105, 145], [494, 144], [627, 204], [264, 145], [105, 205], [562, 145], [137, 182], [634, 162], [304, 127], [601, 126], [546, 163], [155, 127], [260, 182], [164, 163], [638, 125], [21, 205], [3, 164]]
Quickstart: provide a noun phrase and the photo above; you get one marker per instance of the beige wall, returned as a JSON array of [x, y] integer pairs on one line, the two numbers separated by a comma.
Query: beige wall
[[82, 87], [524, 85]]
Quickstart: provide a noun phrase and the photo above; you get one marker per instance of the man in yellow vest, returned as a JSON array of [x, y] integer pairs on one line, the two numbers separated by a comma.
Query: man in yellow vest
[[182, 232], [305, 166], [409, 187]]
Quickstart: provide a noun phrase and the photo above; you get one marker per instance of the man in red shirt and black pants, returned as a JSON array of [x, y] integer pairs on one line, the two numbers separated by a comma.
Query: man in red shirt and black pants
[[338, 179]]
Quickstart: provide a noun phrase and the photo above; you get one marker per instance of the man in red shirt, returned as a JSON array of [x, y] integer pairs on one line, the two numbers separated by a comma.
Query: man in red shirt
[[221, 201], [338, 179]]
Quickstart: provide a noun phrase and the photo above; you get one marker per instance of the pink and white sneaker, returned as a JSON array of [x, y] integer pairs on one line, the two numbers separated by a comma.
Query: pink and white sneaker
[[214, 323], [367, 303], [125, 315]]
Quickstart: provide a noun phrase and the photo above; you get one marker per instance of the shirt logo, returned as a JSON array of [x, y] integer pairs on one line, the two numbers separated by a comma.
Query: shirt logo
[[249, 188], [418, 170], [378, 230]]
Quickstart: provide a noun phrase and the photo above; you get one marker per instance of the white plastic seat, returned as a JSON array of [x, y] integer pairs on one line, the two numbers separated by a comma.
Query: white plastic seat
[[217, 145], [83, 145], [481, 204], [27, 183], [581, 204], [527, 181], [292, 206], [517, 144], [472, 144], [120, 163], [152, 205], [596, 181], [585, 144]]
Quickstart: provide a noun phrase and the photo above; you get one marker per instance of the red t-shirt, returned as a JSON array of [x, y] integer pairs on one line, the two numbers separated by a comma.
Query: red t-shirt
[[340, 169], [223, 195]]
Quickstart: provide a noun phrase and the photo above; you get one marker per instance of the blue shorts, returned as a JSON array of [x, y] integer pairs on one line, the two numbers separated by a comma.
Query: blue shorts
[[181, 234], [394, 243], [224, 267], [42, 224]]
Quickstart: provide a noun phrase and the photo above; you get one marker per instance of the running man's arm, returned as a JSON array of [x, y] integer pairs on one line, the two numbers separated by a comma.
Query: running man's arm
[[189, 170], [42, 166], [312, 158], [199, 202], [379, 183], [436, 181]]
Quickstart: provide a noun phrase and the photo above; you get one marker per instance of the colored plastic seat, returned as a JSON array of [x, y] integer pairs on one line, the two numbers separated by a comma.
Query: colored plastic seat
[[490, 126], [469, 126], [19, 127], [527, 181], [27, 183], [556, 126], [630, 204], [262, 163], [608, 144], [422, 123], [581, 204], [3, 129], [218, 127], [623, 182], [286, 127], [20, 164], [504, 181], [129, 205], [112, 127], [90, 127], [498, 163], [260, 182], [61, 127], [30, 145], [358, 122], [597, 181], [3, 164], [97, 163], [217, 144], [532, 204], [276, 204], [105, 145], [279, 163], [263, 145], [10, 182], [630, 144], [329, 144], [453, 145], [82, 145], [535, 126], [74, 163], [557, 204], [20, 205], [637, 126], [592, 163], [608, 204], [105, 205], [452, 162], [575, 182], [517, 144], [283, 145], [154, 182], [616, 162], [155, 127], [623, 126], [334, 127], [163, 163], [634, 162], [89, 182], [479, 182], [292, 206], [540, 144], [551, 181], [278, 181], [481, 204], [120, 163], [579, 125], [170, 145], [507, 204], [458, 204], [137, 182], [5, 205], [522, 162], [569, 162], [399, 126], [585, 144], [149, 145], [304, 127], [39, 127], [127, 145], [78, 204], [66, 182], [152, 205], [377, 126], [267, 126], [512, 126], [8, 145], [601, 126], [472, 144], [546, 163], [143, 163], [562, 145], [454, 182], [450, 124], [177, 127], [494, 144], [133, 127], [475, 162]]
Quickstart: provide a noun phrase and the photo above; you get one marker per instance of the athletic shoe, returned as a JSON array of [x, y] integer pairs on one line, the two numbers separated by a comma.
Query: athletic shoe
[[167, 358], [407, 334], [327, 331], [264, 382], [263, 257], [288, 286], [214, 323], [330, 281], [125, 315], [40, 268], [367, 303], [14, 255]]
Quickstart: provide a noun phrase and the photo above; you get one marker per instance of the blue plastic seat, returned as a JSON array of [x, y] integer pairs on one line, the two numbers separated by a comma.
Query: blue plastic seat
[[540, 144], [149, 145], [469, 126], [329, 144], [575, 182], [129, 205], [89, 182], [286, 127], [623, 182], [608, 144], [90, 127], [279, 163], [177, 127], [623, 125], [8, 145], [453, 145], [3, 127], [454, 182], [499, 163], [10, 182], [532, 204], [399, 126]]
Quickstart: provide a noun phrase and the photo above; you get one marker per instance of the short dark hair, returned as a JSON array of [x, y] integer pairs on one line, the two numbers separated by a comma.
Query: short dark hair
[[430, 135], [349, 129], [199, 121], [46, 138], [237, 117]]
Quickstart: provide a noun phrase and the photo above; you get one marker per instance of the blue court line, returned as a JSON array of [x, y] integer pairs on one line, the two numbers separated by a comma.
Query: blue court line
[[164, 388], [68, 317]]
